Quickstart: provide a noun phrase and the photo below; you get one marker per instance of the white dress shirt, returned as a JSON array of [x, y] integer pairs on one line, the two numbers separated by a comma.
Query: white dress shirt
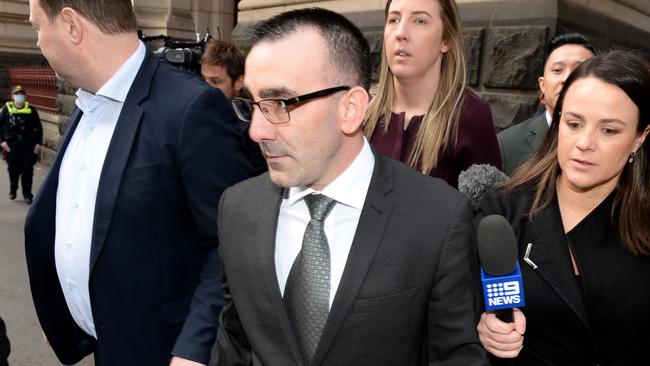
[[78, 181], [349, 190], [549, 118]]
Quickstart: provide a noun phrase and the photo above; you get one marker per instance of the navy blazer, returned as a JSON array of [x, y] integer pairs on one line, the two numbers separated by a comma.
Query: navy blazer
[[176, 147]]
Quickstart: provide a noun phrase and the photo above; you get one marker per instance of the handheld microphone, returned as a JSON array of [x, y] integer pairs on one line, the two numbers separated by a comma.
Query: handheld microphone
[[503, 288], [477, 180]]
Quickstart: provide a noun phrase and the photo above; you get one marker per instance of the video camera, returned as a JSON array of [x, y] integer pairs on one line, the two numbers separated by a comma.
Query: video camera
[[183, 54]]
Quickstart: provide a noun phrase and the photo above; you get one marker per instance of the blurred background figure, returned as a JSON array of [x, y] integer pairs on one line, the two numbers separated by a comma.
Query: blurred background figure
[[21, 136], [422, 113], [578, 209], [222, 66], [519, 142]]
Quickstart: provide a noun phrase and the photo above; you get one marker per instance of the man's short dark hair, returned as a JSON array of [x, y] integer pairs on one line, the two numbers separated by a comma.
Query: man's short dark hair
[[569, 38], [226, 55], [110, 16], [348, 49]]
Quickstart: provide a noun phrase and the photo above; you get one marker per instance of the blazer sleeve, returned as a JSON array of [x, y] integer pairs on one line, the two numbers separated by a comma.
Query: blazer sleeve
[[210, 159], [232, 347], [477, 137], [453, 300]]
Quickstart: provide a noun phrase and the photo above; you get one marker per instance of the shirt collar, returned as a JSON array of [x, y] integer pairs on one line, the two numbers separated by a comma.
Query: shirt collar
[[549, 119], [350, 187], [118, 86]]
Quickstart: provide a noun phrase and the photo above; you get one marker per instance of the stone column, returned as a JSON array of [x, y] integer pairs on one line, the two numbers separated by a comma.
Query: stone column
[[171, 17], [218, 16]]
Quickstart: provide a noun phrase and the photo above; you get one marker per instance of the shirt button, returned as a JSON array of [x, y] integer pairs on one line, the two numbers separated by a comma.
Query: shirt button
[[68, 244], [75, 204], [70, 284]]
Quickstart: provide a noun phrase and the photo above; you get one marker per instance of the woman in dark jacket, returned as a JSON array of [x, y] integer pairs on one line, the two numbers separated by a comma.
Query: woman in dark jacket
[[579, 210]]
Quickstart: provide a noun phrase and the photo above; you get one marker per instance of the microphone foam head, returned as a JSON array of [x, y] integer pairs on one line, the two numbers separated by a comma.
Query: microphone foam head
[[497, 245]]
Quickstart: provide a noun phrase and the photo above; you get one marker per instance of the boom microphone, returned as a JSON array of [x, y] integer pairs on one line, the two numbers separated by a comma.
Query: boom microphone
[[503, 288]]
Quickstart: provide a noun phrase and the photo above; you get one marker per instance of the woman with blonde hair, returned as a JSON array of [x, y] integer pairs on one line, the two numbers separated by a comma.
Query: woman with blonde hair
[[422, 113]]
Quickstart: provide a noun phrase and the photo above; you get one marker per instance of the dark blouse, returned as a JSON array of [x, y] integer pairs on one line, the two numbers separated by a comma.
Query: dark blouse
[[602, 319], [477, 141]]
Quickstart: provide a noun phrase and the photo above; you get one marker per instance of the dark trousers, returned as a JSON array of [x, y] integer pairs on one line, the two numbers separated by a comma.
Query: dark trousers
[[4, 344], [20, 164]]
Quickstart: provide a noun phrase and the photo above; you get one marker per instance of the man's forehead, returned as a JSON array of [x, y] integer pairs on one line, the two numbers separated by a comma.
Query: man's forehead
[[282, 67]]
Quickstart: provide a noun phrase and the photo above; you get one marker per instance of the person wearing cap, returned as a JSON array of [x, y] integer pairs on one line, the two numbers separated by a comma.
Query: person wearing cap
[[21, 136]]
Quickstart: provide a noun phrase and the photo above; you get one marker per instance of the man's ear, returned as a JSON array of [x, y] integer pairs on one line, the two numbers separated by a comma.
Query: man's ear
[[238, 85], [352, 110], [72, 23]]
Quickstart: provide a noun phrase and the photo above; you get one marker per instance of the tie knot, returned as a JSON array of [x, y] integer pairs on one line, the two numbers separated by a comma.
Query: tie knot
[[319, 206]]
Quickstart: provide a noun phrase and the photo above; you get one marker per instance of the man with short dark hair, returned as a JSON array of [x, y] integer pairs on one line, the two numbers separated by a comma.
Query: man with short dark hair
[[126, 219], [21, 136], [337, 256], [519, 142]]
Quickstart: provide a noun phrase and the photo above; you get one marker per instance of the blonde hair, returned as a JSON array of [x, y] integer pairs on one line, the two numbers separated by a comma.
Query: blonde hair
[[440, 123]]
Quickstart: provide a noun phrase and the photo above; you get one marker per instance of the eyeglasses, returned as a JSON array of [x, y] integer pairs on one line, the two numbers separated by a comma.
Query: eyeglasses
[[275, 109]]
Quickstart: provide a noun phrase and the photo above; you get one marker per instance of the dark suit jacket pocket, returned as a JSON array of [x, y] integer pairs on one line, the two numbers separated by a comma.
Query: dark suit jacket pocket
[[384, 303], [142, 172], [176, 311], [139, 186]]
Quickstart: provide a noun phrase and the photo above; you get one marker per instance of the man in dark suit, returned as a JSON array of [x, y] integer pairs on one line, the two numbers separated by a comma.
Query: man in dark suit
[[126, 218], [519, 142], [337, 255]]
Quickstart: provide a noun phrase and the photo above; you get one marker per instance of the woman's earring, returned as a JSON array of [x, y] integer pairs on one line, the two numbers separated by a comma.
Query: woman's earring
[[632, 157]]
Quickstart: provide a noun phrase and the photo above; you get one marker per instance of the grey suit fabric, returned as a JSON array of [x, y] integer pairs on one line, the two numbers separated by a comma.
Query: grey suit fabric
[[519, 142], [408, 295]]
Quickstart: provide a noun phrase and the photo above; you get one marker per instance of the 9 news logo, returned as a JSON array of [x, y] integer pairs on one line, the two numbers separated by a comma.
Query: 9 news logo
[[503, 293]]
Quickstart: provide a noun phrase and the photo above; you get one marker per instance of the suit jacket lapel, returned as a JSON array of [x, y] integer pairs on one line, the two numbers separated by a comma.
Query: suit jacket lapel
[[554, 261], [44, 206], [118, 154], [271, 199], [370, 230], [536, 132]]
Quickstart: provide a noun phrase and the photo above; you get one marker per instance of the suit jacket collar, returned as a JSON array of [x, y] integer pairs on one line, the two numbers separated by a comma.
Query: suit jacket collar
[[536, 132], [375, 214], [118, 154], [553, 259], [374, 218]]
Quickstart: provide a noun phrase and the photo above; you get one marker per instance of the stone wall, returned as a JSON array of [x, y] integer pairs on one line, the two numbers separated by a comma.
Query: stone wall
[[504, 40]]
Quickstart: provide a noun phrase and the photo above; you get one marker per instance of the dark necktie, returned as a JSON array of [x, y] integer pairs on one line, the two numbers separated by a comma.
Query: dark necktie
[[307, 293]]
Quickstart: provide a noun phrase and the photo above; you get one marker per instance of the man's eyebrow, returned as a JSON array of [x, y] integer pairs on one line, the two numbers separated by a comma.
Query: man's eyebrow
[[276, 93]]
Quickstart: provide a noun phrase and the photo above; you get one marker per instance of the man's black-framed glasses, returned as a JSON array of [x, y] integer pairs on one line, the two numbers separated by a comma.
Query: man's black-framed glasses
[[275, 109]]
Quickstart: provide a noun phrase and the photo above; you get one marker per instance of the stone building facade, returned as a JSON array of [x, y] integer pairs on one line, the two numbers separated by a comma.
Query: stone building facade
[[505, 40]]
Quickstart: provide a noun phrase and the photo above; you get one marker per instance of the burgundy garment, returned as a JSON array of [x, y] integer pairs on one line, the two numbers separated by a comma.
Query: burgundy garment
[[477, 140]]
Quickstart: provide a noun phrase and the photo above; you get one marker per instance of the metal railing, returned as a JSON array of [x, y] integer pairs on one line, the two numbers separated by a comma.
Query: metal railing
[[40, 84]]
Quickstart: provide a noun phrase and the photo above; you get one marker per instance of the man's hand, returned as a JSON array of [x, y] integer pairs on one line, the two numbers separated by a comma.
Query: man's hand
[[37, 149], [5, 146], [177, 361], [504, 340]]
